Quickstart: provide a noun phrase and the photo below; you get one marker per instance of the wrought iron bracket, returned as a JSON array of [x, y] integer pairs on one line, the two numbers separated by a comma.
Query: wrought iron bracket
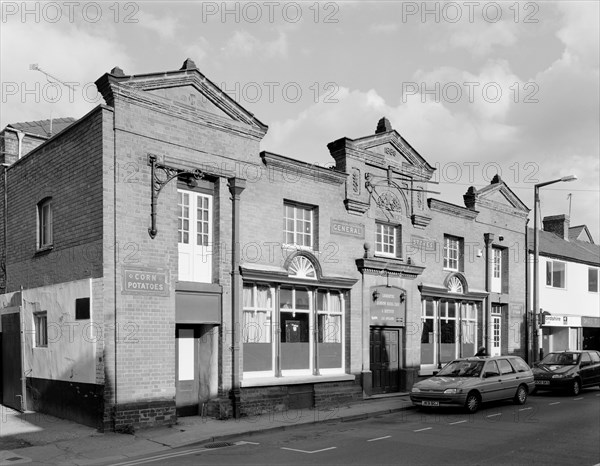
[[160, 176]]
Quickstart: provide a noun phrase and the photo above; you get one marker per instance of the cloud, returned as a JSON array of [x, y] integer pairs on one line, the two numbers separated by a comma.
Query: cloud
[[197, 50], [28, 95], [165, 26], [478, 37], [384, 28], [245, 45]]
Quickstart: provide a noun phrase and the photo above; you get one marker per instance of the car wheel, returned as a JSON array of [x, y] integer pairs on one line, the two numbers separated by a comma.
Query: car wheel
[[521, 395], [473, 402], [576, 387]]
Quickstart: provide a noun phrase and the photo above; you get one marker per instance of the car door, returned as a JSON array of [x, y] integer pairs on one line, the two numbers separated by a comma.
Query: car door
[[586, 369], [595, 356], [508, 378], [491, 384]]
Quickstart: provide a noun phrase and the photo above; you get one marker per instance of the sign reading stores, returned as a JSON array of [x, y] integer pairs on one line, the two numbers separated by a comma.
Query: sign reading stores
[[148, 282]]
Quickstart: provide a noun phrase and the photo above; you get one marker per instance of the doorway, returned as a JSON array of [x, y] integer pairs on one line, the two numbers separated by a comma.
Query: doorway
[[385, 347]]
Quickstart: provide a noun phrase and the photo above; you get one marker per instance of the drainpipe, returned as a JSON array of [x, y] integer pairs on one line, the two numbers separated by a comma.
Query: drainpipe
[[236, 186], [20, 136], [4, 256], [527, 339], [22, 338], [489, 238]]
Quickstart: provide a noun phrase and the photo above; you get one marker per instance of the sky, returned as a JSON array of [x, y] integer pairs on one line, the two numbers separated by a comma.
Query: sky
[[477, 88]]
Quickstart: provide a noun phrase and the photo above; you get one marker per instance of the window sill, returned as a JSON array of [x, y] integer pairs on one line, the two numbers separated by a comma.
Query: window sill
[[387, 256], [44, 250], [294, 380]]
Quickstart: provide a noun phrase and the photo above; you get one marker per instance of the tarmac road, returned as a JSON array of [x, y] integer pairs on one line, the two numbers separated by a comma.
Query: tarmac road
[[551, 429]]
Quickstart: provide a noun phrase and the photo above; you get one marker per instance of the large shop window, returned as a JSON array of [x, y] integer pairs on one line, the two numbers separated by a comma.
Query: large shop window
[[448, 330], [298, 225], [310, 336], [195, 236], [555, 274]]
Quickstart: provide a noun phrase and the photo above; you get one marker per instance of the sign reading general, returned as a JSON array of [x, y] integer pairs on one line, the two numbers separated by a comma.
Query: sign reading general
[[339, 227], [388, 306], [145, 281]]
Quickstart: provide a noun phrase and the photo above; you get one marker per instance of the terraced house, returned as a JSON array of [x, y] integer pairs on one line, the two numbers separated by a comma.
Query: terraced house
[[164, 265]]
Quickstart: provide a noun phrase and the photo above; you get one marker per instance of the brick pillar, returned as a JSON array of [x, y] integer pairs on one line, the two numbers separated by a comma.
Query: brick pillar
[[489, 263], [236, 186]]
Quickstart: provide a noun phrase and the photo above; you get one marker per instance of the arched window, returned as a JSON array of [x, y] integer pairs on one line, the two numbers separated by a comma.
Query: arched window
[[455, 285], [302, 267]]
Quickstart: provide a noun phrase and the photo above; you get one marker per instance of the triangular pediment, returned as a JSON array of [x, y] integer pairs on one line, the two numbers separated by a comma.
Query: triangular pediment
[[394, 150], [499, 195], [190, 95], [186, 88]]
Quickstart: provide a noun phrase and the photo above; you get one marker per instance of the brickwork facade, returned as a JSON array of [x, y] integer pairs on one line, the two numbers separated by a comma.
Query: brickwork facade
[[298, 256]]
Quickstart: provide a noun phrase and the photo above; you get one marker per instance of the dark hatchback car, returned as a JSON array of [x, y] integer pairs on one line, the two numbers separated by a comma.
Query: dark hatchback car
[[569, 371]]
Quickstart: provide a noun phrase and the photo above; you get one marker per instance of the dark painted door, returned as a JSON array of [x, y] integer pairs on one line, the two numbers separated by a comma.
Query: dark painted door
[[11, 361], [385, 359], [187, 374]]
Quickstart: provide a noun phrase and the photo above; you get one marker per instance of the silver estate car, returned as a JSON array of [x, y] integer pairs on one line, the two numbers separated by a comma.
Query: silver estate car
[[471, 381]]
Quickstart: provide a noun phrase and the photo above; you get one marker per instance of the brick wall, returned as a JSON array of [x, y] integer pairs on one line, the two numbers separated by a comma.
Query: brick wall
[[68, 169]]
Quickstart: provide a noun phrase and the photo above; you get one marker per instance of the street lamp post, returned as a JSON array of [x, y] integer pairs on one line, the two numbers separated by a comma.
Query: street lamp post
[[536, 258]]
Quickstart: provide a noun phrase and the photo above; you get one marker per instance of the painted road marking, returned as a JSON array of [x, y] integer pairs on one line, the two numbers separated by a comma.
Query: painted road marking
[[378, 438], [497, 414], [555, 403], [309, 452], [525, 409], [166, 456], [421, 430], [246, 443], [580, 398], [457, 422]]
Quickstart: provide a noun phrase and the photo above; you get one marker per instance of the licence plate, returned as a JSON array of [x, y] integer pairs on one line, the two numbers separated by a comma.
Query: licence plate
[[542, 382], [430, 403]]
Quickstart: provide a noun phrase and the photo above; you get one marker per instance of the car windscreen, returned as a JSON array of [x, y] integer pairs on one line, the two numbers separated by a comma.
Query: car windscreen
[[462, 369], [561, 359]]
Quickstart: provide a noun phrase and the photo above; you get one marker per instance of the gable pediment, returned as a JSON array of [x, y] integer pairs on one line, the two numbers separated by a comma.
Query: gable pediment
[[394, 150], [191, 96], [495, 196], [185, 89]]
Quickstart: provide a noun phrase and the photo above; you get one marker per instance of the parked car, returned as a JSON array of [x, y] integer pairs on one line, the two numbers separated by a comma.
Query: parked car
[[469, 382], [568, 371]]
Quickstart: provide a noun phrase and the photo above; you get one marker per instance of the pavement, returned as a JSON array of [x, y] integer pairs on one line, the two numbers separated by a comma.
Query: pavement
[[34, 438]]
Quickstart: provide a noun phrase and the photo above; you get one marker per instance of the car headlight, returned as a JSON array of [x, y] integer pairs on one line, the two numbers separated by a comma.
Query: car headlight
[[452, 391], [416, 390]]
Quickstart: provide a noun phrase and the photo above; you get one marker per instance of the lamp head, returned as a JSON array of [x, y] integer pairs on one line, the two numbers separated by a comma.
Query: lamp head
[[569, 178]]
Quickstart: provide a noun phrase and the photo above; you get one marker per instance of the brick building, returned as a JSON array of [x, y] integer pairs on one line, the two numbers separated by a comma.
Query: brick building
[[164, 266]]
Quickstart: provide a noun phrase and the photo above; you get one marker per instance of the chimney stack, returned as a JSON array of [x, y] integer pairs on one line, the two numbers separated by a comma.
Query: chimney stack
[[558, 224]]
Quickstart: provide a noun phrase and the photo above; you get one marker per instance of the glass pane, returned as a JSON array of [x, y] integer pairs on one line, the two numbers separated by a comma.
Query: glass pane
[[295, 349], [285, 298], [302, 299], [321, 301], [427, 342], [248, 296], [549, 273]]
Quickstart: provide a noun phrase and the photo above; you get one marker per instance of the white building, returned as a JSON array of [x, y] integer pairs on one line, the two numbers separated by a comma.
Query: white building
[[568, 286]]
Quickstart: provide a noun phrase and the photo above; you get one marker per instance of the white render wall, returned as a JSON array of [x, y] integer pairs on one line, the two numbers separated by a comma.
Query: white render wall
[[70, 354], [575, 299]]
